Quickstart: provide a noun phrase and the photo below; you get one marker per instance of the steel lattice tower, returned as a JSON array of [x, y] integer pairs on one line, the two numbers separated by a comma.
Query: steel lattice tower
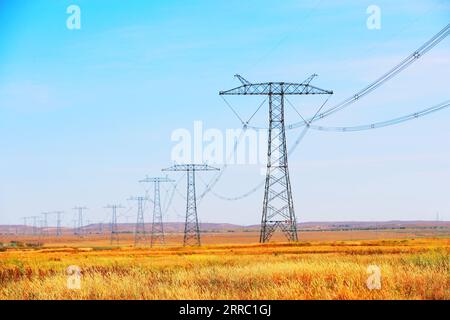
[[157, 235], [79, 227], [139, 230], [25, 224], [58, 223], [278, 207], [44, 224], [191, 227], [35, 226], [114, 231], [74, 227]]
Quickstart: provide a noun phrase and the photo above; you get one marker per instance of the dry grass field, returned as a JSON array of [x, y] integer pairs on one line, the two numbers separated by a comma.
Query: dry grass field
[[236, 237], [333, 269]]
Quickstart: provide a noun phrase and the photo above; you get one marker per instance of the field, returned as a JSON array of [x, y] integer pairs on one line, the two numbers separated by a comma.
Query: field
[[411, 268]]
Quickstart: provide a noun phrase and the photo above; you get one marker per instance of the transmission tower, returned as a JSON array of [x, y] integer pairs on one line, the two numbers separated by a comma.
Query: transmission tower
[[74, 226], [278, 207], [79, 227], [191, 228], [44, 224], [157, 235], [41, 223], [88, 224], [58, 223], [35, 225], [25, 224], [139, 230], [114, 231]]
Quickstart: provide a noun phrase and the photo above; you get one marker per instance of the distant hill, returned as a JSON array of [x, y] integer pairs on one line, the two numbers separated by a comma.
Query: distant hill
[[173, 227]]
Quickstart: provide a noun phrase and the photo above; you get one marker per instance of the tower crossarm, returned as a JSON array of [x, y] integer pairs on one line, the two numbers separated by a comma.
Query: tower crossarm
[[276, 88], [191, 167], [138, 198], [156, 179], [114, 206]]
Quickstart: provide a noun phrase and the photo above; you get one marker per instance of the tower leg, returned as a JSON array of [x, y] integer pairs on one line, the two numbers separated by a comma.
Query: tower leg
[[80, 222], [58, 226], [191, 228], [139, 233], [114, 231], [157, 225], [278, 207]]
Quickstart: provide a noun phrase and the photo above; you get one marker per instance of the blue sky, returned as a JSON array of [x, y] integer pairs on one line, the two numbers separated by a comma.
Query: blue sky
[[86, 113]]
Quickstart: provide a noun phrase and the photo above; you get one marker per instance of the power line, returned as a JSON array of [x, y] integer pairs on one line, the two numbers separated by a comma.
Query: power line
[[302, 134], [377, 125], [172, 193], [307, 123], [413, 57], [302, 20], [216, 179]]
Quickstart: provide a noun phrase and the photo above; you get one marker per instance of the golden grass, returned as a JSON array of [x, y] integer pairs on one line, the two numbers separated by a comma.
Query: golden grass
[[410, 269]]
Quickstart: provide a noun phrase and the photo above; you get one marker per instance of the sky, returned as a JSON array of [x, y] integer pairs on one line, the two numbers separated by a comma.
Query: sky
[[86, 113]]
